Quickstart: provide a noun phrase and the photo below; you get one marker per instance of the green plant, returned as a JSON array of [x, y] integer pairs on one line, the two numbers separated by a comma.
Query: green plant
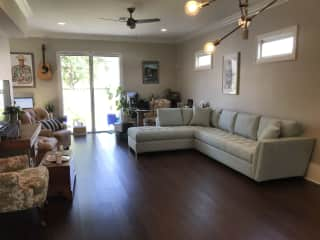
[[49, 107], [10, 110], [122, 102]]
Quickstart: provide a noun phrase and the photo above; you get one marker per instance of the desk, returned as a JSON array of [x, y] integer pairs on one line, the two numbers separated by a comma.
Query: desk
[[23, 145], [140, 115]]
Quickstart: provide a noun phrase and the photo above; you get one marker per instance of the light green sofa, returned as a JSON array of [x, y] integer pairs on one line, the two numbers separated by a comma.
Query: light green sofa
[[241, 141]]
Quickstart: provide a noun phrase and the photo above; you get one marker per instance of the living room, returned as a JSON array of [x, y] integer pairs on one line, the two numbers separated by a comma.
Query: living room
[[132, 185]]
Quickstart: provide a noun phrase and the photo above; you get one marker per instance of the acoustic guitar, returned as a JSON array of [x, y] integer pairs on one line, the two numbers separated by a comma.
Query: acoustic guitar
[[44, 70]]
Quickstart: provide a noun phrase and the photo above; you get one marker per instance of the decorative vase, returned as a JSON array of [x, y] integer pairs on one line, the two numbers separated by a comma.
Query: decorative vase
[[124, 116], [50, 115]]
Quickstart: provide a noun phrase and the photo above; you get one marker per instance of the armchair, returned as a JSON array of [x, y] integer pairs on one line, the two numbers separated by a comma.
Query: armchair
[[22, 188], [37, 114]]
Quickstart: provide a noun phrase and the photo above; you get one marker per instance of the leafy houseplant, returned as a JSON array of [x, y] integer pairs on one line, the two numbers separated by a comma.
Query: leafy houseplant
[[122, 103], [50, 108], [13, 112]]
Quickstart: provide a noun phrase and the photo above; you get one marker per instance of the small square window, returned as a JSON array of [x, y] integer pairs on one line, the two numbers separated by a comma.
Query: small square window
[[277, 46], [203, 61]]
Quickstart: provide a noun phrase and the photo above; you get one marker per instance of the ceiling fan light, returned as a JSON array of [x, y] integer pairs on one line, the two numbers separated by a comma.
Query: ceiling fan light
[[209, 47], [192, 7]]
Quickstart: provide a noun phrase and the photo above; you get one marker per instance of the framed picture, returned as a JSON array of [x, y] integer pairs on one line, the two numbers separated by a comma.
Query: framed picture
[[231, 73], [150, 71], [22, 67]]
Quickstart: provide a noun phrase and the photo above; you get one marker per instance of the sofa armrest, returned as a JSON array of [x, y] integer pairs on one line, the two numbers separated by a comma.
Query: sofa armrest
[[15, 163], [46, 133], [282, 158]]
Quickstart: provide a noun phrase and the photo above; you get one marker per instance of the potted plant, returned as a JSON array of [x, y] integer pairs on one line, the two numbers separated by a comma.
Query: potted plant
[[50, 108], [13, 113], [122, 103]]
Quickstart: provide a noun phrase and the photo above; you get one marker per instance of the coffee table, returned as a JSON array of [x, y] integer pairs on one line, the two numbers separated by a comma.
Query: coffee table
[[61, 177]]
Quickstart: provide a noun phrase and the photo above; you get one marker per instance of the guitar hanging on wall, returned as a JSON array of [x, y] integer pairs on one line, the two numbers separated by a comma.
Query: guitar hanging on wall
[[44, 70]]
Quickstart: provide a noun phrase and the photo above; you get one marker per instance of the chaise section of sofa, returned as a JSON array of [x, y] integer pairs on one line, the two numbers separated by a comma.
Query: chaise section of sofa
[[259, 147]]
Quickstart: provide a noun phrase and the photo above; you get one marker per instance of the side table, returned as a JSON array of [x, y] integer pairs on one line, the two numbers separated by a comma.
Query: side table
[[61, 177]]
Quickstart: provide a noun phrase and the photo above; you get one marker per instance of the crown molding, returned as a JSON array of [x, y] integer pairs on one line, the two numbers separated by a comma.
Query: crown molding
[[229, 20], [24, 8]]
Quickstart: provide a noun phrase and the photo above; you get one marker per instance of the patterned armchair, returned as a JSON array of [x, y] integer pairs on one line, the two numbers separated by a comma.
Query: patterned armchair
[[21, 188], [150, 118]]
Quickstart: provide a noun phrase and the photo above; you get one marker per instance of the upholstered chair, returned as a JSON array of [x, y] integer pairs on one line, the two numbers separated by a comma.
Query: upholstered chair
[[150, 118], [21, 187]]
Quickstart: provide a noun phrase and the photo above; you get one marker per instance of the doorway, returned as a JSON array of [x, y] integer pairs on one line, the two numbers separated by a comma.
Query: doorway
[[89, 86]]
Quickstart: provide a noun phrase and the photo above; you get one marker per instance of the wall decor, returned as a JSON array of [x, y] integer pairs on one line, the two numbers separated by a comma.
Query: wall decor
[[150, 72], [22, 67], [231, 73]]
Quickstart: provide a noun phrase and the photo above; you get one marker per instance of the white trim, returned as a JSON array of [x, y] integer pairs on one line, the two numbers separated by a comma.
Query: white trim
[[24, 8], [229, 20], [313, 173]]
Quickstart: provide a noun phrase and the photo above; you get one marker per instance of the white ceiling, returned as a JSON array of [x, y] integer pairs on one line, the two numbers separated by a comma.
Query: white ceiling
[[81, 17]]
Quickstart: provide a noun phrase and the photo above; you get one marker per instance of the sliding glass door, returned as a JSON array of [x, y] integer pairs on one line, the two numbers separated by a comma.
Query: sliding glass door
[[89, 85]]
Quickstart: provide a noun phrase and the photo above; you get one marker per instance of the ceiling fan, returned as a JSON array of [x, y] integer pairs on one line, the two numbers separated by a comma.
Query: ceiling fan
[[131, 22]]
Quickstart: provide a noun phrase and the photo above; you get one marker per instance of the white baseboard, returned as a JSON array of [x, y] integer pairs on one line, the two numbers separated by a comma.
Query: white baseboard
[[313, 173]]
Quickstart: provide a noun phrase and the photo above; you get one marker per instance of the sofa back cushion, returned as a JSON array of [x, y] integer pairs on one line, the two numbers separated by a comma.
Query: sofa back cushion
[[169, 117], [215, 115], [265, 122], [271, 131], [290, 128], [246, 125], [187, 114], [227, 120], [201, 116]]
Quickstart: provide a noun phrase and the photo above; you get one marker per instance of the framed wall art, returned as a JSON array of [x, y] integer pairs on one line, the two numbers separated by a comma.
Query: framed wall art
[[22, 67], [150, 72], [231, 73]]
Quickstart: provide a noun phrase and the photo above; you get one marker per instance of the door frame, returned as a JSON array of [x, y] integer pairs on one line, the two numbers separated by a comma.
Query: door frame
[[89, 54]]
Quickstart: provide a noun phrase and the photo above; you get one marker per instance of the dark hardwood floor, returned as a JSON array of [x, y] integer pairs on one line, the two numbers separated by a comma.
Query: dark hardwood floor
[[170, 195]]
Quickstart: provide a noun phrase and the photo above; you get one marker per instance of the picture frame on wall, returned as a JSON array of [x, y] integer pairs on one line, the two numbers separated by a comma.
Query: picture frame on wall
[[22, 68], [150, 72], [231, 73]]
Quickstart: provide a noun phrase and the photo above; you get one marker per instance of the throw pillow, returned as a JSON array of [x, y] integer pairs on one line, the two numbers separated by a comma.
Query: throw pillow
[[201, 117], [271, 131], [51, 124]]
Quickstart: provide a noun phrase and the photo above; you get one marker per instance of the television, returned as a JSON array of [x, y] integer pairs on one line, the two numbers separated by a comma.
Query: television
[[5, 97], [24, 102]]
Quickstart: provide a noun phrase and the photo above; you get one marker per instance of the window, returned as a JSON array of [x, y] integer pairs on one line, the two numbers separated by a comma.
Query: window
[[203, 61], [277, 46]]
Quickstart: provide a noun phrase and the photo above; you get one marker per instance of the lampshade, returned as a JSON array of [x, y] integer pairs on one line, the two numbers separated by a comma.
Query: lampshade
[[192, 7], [209, 48]]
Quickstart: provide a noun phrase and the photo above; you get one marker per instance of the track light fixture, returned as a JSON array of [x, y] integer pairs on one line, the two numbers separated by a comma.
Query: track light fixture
[[193, 7]]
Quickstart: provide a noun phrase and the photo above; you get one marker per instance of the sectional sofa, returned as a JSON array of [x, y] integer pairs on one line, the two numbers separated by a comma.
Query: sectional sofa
[[259, 147]]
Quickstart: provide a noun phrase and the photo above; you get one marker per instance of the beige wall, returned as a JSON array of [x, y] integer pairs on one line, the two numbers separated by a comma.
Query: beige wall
[[132, 56], [284, 89]]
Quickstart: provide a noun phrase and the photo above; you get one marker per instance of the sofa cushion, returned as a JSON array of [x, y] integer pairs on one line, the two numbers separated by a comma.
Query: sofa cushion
[[290, 128], [265, 122], [51, 124], [247, 125], [187, 114], [145, 134], [215, 115], [227, 120], [236, 145], [201, 116], [272, 131], [169, 116]]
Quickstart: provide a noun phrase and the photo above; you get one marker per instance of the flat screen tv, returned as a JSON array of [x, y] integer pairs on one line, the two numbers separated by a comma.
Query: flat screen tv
[[5, 97]]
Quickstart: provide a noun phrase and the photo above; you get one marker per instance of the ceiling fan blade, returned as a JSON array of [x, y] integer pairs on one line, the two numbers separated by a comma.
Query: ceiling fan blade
[[151, 20], [121, 19]]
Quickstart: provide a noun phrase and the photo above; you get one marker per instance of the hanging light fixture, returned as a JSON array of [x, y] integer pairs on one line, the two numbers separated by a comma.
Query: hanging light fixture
[[193, 7]]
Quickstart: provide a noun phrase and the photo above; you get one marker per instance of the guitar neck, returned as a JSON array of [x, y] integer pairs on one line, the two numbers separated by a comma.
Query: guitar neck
[[43, 54]]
